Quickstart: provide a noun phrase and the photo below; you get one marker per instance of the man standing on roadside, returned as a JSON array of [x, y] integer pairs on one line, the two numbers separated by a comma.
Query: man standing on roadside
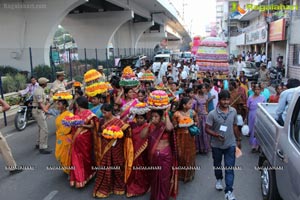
[[221, 124], [39, 108], [10, 162]]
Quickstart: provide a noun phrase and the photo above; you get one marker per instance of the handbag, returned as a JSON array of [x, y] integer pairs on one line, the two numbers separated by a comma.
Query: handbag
[[193, 129]]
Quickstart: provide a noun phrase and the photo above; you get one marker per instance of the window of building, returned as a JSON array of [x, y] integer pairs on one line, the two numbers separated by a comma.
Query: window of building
[[296, 56], [295, 124]]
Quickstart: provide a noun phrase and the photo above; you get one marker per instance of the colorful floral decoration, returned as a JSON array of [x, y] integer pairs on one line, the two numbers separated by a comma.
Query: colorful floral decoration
[[77, 84], [128, 78], [212, 55], [158, 100], [91, 75], [74, 120], [62, 96], [109, 87], [112, 132], [147, 76], [96, 88], [185, 122], [140, 109]]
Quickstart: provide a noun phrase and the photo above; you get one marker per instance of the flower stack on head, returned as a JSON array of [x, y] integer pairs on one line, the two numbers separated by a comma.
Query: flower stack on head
[[96, 88], [112, 132], [128, 78], [77, 84], [158, 100], [91, 76], [140, 109], [148, 76], [185, 122], [74, 120], [109, 87], [62, 96]]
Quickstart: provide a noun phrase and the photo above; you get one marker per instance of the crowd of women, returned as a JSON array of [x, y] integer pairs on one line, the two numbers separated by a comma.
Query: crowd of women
[[155, 152]]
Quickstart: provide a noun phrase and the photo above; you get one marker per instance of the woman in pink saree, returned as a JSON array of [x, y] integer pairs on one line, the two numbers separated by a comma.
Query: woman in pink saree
[[82, 146], [128, 102], [162, 155]]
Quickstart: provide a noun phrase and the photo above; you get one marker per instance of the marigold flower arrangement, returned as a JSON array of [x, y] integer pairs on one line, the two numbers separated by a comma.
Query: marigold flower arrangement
[[140, 109], [77, 84], [147, 76], [96, 88], [128, 78], [62, 96], [74, 120], [112, 132], [91, 75], [185, 122], [158, 99]]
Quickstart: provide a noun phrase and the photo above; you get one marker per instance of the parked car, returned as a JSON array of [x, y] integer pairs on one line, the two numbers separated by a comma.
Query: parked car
[[166, 58], [251, 71], [279, 160], [132, 61]]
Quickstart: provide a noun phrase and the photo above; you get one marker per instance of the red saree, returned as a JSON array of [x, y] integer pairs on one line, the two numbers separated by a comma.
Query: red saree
[[125, 110], [111, 174], [164, 181], [138, 182], [81, 152]]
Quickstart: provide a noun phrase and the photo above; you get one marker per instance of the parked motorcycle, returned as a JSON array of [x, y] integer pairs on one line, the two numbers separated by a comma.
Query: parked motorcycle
[[24, 114], [275, 76]]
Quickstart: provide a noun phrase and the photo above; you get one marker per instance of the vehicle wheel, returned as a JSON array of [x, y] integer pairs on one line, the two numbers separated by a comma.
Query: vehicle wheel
[[268, 182], [20, 124]]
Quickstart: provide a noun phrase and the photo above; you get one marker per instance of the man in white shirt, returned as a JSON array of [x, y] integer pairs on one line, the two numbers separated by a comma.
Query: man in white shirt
[[264, 58], [183, 74], [257, 60], [239, 66]]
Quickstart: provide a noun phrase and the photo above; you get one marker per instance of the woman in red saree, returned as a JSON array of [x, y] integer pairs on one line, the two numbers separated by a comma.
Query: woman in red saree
[[112, 155], [138, 182], [162, 155], [82, 146]]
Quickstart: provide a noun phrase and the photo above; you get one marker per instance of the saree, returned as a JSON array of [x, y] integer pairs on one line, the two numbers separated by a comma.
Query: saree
[[186, 149], [63, 142], [125, 110], [114, 161], [81, 152], [138, 181], [164, 180]]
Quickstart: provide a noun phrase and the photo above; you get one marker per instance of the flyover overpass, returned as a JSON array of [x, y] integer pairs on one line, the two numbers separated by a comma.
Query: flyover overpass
[[93, 24]]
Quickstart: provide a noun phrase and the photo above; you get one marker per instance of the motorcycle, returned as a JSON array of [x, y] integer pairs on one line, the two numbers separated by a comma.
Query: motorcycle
[[24, 114], [275, 76]]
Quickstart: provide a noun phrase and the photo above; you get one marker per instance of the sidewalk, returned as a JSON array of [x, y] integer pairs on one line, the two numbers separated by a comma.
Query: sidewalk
[[10, 116]]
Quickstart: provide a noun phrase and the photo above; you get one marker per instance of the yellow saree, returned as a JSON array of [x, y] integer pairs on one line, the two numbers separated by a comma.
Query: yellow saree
[[63, 142]]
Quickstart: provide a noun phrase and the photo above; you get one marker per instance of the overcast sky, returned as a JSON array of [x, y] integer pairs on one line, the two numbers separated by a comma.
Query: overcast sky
[[198, 13]]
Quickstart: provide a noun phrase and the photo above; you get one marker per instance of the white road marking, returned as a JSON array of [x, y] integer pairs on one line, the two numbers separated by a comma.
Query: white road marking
[[9, 135], [51, 195]]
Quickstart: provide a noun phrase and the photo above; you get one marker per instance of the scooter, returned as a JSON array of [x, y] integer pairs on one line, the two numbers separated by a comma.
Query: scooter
[[24, 114]]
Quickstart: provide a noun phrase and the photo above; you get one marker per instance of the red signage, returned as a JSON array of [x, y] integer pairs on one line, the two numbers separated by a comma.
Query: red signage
[[277, 30]]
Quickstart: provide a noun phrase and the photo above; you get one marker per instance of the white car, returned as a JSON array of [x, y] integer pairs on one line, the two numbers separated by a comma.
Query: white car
[[157, 61]]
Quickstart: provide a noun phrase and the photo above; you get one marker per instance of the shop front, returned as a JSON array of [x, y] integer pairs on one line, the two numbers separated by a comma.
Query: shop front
[[277, 39], [256, 39]]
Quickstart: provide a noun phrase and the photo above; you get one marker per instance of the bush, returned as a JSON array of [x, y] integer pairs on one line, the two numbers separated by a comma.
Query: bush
[[13, 83], [78, 78], [8, 70]]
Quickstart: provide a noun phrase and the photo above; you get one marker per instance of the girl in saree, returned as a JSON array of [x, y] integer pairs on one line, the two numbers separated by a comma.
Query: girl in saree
[[82, 146], [63, 137], [138, 182], [112, 155], [126, 103], [186, 143], [162, 154]]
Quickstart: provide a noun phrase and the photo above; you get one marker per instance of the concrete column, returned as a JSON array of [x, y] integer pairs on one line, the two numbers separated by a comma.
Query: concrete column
[[30, 24], [95, 30], [130, 33], [150, 40]]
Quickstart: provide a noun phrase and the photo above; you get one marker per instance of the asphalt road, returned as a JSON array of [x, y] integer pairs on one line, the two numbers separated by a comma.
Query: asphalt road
[[38, 183]]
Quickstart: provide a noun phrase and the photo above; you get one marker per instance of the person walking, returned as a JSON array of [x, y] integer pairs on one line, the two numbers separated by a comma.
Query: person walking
[[9, 160], [221, 124], [39, 109]]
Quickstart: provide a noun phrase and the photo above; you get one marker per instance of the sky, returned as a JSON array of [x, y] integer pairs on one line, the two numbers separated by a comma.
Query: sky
[[197, 14]]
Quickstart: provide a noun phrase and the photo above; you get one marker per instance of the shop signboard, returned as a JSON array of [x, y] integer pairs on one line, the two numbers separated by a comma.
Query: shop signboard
[[257, 36], [277, 30]]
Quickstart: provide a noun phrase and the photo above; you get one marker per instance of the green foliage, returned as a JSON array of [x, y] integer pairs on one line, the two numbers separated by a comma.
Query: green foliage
[[42, 71], [8, 70], [13, 83], [13, 100], [78, 78]]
